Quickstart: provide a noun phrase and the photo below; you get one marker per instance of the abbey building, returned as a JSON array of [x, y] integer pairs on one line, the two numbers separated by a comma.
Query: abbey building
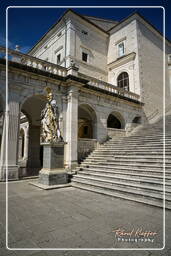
[[107, 78]]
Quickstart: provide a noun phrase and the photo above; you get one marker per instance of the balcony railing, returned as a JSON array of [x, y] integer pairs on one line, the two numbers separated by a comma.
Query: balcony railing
[[34, 62], [110, 88]]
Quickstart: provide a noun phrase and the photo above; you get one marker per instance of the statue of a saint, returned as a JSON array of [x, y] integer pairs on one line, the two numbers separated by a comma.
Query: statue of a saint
[[50, 131]]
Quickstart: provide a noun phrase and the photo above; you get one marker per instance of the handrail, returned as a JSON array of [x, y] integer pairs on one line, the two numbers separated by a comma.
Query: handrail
[[31, 61]]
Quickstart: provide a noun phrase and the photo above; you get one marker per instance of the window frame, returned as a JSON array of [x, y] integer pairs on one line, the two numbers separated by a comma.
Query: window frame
[[87, 56], [123, 82], [118, 49], [58, 61]]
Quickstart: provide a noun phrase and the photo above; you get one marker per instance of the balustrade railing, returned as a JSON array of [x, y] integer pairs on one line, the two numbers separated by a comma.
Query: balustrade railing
[[25, 59], [34, 62], [110, 88]]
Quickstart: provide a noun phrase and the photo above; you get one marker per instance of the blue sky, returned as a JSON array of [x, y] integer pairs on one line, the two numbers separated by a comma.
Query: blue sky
[[28, 25]]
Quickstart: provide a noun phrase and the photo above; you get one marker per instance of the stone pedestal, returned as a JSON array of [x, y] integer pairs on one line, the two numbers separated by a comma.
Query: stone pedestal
[[53, 172]]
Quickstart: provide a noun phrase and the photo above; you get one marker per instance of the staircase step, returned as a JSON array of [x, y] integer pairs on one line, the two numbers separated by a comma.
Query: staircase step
[[124, 178], [149, 198], [114, 173], [141, 169], [131, 167], [134, 183]]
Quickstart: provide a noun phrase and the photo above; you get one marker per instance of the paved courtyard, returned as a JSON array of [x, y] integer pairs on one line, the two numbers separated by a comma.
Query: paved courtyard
[[73, 218]]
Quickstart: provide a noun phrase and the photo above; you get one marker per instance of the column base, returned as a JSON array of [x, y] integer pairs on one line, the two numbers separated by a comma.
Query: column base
[[53, 177], [13, 172]]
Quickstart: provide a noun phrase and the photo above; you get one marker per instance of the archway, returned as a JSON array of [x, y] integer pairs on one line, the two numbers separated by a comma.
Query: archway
[[136, 120], [115, 120], [21, 144], [87, 122], [87, 131], [32, 108]]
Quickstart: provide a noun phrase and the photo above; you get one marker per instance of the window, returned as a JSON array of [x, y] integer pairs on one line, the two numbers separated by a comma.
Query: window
[[58, 58], [84, 57], [123, 81], [121, 49]]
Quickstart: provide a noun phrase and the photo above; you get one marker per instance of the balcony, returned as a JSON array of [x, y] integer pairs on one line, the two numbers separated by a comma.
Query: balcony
[[91, 83]]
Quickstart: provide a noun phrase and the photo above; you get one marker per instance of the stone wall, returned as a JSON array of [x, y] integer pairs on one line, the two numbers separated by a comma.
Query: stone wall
[[150, 47], [94, 42], [126, 33]]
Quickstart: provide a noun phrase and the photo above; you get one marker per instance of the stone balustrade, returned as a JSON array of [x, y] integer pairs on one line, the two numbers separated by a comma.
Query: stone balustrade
[[34, 62], [85, 147], [99, 84], [113, 132]]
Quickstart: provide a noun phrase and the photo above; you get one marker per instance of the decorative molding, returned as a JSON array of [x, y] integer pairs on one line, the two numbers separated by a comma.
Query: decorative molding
[[120, 40], [121, 61]]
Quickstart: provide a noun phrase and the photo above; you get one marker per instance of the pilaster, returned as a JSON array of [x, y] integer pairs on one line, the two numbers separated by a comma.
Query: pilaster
[[72, 128]]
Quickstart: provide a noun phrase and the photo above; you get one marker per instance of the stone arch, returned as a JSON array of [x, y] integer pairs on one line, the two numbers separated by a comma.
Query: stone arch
[[115, 120], [87, 121], [137, 120], [32, 107]]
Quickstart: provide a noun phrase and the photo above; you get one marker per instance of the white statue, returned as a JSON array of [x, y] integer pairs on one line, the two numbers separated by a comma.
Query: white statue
[[50, 131]]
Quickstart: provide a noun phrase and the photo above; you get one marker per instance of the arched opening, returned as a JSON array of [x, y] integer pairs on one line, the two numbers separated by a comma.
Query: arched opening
[[87, 131], [21, 144], [116, 121], [136, 120], [32, 108], [123, 81], [86, 122]]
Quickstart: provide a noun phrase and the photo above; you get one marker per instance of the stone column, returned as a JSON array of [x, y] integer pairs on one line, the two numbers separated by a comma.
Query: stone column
[[26, 141], [101, 127], [11, 123], [71, 160]]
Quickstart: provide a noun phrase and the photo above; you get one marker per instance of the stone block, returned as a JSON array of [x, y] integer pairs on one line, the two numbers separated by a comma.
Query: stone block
[[53, 177]]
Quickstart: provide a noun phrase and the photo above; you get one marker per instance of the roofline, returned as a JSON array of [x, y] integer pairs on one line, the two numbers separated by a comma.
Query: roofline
[[99, 18], [142, 17], [68, 10], [82, 17]]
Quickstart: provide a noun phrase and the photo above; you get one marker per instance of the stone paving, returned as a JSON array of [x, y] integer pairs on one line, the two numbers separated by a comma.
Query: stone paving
[[73, 218]]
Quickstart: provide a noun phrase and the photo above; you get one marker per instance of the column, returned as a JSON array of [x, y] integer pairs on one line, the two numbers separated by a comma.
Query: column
[[71, 129], [101, 127], [11, 132], [26, 141]]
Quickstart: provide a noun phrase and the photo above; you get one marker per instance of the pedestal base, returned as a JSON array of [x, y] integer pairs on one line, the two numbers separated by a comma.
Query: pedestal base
[[13, 173], [53, 177]]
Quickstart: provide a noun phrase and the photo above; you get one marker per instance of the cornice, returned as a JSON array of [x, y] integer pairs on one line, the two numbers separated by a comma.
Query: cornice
[[122, 60]]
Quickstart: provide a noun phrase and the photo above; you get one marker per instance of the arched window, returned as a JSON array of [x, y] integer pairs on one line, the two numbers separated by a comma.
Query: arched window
[[123, 81]]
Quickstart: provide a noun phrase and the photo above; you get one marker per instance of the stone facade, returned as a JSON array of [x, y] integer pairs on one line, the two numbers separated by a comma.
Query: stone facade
[[81, 63]]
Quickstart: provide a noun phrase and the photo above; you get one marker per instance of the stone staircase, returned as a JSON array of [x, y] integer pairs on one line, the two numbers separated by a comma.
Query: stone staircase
[[131, 167]]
